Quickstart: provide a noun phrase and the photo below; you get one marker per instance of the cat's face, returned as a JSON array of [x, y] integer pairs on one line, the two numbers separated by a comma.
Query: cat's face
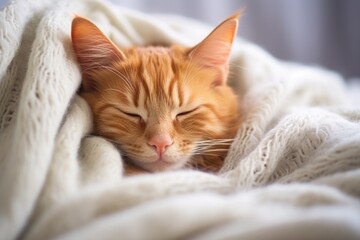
[[162, 106]]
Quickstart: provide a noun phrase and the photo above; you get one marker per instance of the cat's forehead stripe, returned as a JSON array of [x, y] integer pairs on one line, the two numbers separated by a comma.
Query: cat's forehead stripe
[[173, 91], [145, 85], [157, 76], [135, 95], [141, 99], [180, 93]]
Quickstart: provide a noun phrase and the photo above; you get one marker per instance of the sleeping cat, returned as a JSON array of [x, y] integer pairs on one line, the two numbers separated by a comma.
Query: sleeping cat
[[165, 108]]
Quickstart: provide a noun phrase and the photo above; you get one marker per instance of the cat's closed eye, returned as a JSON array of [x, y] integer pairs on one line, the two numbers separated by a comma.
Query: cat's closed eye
[[186, 113], [131, 115]]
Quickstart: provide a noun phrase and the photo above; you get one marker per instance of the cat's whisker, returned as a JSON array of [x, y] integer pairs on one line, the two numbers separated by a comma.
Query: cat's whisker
[[216, 139], [121, 76], [116, 72], [220, 144], [203, 149], [114, 90], [214, 142], [206, 147], [200, 151], [210, 154], [206, 152], [215, 150]]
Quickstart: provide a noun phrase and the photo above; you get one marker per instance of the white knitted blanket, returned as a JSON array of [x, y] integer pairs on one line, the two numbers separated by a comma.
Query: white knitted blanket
[[293, 171]]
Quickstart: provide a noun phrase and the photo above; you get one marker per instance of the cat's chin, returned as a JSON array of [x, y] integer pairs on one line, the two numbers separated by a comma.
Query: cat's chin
[[161, 165]]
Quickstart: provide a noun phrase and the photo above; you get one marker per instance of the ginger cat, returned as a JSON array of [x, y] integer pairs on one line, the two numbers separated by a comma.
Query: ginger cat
[[165, 108]]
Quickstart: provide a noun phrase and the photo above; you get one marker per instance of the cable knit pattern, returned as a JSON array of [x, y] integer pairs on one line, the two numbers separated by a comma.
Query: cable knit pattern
[[292, 172]]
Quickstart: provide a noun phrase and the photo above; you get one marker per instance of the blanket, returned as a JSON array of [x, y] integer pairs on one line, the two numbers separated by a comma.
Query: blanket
[[292, 172]]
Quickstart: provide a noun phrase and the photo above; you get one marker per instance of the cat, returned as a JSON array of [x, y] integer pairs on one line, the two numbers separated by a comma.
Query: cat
[[164, 107]]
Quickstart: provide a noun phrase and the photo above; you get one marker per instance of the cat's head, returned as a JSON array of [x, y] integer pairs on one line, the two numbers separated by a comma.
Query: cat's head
[[161, 105]]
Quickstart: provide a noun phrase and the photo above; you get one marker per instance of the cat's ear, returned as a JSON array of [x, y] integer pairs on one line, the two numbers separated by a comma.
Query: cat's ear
[[214, 50], [92, 48]]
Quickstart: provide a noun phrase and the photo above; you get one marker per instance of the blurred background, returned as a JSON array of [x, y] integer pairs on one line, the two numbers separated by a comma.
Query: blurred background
[[324, 33]]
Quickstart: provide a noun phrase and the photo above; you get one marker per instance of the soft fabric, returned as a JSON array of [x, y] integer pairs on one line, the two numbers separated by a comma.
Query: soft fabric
[[293, 171]]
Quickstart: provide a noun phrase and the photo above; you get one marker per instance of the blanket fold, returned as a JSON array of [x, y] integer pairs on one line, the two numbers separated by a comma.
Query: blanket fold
[[292, 172]]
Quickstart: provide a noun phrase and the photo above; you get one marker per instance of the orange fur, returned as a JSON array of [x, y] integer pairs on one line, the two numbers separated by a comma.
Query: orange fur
[[175, 93]]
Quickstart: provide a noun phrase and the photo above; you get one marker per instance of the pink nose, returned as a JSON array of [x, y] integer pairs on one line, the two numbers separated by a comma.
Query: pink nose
[[160, 143]]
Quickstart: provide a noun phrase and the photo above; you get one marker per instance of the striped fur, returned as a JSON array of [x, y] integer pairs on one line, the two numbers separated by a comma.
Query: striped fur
[[140, 92]]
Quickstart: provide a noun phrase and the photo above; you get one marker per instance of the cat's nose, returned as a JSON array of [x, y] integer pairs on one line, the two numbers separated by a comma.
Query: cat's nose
[[160, 143]]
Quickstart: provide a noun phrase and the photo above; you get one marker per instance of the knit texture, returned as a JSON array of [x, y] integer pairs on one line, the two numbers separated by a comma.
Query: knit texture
[[293, 171]]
